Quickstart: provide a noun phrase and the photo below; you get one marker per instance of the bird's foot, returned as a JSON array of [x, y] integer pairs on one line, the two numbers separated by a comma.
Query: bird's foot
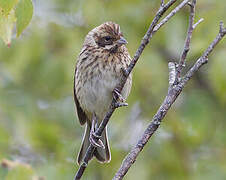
[[95, 141], [117, 96], [94, 138], [120, 101]]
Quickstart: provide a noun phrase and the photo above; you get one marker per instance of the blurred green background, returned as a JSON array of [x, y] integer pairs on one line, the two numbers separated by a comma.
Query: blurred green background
[[38, 123]]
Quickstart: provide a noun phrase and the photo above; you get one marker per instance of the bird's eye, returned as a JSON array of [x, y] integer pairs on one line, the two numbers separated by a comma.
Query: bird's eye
[[107, 38]]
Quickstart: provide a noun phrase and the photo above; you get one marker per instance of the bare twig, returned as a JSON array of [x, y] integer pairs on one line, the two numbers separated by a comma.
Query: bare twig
[[172, 13], [152, 127], [173, 92], [196, 24], [188, 39], [163, 8], [204, 58], [147, 38]]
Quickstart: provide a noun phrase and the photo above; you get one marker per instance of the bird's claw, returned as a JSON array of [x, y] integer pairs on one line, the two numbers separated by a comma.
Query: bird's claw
[[117, 96], [95, 141], [94, 138]]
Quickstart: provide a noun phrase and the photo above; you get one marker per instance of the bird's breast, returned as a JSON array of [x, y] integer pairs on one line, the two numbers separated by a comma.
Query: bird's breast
[[96, 93], [96, 81]]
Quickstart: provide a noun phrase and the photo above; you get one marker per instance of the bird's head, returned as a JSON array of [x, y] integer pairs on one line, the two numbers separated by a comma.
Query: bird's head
[[107, 36]]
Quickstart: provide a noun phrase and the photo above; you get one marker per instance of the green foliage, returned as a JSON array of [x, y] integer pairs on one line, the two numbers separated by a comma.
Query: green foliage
[[38, 123], [6, 26], [7, 5], [11, 12], [24, 11]]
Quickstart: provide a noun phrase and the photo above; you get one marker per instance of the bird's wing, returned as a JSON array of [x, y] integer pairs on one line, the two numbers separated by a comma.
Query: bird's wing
[[81, 114]]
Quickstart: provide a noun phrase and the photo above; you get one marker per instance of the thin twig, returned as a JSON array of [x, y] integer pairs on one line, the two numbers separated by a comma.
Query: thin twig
[[126, 73], [147, 37], [172, 13], [188, 39], [152, 127], [204, 58], [196, 24], [173, 92]]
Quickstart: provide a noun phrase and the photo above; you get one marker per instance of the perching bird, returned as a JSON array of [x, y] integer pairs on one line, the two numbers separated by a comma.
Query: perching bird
[[97, 73]]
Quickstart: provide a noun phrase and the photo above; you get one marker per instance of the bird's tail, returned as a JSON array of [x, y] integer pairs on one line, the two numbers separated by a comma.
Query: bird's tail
[[102, 155]]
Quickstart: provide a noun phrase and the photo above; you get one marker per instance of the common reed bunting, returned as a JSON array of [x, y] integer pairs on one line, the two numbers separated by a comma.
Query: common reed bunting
[[97, 73]]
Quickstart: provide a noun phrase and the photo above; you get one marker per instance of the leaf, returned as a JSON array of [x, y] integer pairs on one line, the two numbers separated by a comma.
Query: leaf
[[7, 5], [24, 11], [6, 26]]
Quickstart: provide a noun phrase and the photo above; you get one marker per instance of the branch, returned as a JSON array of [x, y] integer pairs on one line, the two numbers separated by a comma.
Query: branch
[[196, 24], [171, 14], [152, 127], [114, 104], [173, 92], [188, 39], [204, 58], [163, 8]]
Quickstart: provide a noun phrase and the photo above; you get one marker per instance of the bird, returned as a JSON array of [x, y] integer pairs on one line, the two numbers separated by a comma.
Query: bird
[[98, 70]]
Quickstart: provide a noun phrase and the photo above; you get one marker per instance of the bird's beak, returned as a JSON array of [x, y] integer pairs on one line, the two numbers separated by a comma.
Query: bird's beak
[[122, 41]]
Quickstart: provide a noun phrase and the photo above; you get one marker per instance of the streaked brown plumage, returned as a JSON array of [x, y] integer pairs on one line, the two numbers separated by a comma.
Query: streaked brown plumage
[[97, 73]]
